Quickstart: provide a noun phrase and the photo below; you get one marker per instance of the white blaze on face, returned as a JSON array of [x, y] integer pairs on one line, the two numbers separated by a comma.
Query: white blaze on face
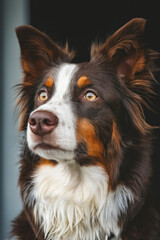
[[64, 135]]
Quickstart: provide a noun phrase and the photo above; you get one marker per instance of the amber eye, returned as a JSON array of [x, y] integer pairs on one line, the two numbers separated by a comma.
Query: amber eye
[[90, 96], [43, 96]]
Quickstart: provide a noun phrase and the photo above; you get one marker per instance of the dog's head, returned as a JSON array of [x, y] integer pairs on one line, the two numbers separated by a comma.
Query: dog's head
[[85, 112]]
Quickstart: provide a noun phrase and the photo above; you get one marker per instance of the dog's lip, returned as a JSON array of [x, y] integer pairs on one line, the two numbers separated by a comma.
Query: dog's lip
[[47, 146]]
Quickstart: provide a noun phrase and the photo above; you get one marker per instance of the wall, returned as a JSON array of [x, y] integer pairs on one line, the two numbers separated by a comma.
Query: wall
[[14, 13]]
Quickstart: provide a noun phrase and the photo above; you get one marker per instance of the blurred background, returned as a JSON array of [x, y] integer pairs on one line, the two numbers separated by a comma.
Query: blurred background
[[80, 23]]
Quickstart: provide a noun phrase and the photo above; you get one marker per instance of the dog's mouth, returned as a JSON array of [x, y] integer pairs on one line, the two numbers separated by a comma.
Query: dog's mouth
[[46, 146], [53, 151]]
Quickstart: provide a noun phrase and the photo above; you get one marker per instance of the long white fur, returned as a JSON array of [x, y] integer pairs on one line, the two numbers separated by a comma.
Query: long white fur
[[73, 202]]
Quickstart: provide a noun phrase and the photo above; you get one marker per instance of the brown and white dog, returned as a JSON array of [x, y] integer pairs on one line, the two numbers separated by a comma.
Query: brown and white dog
[[85, 164]]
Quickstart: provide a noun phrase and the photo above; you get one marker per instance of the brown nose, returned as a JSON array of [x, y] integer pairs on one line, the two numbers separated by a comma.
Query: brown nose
[[42, 122]]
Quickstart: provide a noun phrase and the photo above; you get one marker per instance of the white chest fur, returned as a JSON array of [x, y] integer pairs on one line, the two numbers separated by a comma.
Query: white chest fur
[[73, 202]]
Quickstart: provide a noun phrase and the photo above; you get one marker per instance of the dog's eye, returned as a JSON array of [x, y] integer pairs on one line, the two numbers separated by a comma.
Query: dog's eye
[[43, 96], [90, 96]]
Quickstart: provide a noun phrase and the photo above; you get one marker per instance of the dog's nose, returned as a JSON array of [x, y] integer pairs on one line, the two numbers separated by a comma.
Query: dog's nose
[[42, 122]]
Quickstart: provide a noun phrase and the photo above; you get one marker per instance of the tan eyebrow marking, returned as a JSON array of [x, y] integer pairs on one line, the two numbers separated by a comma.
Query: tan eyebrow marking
[[83, 81], [49, 82]]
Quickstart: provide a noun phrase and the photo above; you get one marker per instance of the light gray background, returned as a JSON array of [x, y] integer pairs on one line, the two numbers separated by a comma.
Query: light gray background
[[12, 14]]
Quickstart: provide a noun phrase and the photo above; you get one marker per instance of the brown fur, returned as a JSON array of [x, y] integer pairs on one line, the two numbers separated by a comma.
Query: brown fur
[[112, 133]]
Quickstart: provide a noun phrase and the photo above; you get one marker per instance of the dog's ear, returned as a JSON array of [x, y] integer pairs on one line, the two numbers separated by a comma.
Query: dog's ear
[[124, 49], [125, 52], [38, 51]]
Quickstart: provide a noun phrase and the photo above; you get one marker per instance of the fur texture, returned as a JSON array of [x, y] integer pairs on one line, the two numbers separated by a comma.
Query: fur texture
[[86, 163]]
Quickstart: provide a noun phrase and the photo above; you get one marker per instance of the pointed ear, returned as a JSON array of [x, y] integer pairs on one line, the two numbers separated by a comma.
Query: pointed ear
[[124, 49], [38, 51]]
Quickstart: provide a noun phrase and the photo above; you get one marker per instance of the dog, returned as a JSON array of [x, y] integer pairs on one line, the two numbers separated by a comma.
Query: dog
[[86, 159]]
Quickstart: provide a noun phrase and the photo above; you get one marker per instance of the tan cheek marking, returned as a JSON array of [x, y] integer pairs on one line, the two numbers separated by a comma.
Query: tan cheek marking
[[83, 81], [49, 82], [86, 133], [44, 161]]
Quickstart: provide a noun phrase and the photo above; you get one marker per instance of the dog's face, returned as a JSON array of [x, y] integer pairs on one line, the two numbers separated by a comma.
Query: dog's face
[[82, 112], [72, 111]]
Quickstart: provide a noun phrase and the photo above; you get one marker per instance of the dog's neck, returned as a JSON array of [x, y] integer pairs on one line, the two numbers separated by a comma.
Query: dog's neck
[[73, 202]]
